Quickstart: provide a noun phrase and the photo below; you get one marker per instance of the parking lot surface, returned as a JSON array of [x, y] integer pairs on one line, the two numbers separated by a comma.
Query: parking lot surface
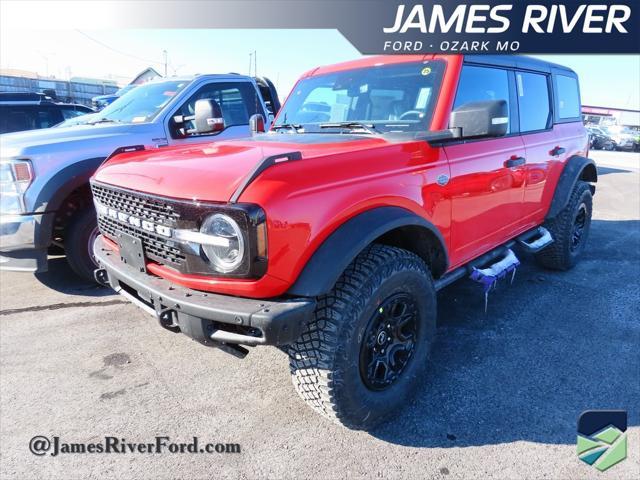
[[501, 398]]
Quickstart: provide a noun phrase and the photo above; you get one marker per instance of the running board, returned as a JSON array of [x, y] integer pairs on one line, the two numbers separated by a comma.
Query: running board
[[488, 275], [535, 240], [467, 269]]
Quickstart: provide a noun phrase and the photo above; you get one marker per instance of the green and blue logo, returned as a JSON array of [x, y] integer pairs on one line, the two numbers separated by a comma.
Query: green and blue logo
[[602, 438]]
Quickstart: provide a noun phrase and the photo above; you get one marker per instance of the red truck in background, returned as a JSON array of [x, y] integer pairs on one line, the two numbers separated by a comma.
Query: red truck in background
[[381, 181]]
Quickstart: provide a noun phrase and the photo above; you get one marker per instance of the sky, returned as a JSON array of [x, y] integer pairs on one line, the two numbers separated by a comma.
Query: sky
[[282, 55]]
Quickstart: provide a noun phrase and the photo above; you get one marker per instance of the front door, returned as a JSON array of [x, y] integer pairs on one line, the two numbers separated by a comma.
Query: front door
[[487, 176], [238, 102]]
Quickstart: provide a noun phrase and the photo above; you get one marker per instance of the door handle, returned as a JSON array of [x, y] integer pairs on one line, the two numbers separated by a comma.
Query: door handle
[[557, 151], [515, 162]]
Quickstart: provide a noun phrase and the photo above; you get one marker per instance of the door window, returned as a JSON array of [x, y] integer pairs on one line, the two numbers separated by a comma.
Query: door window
[[238, 102], [533, 102], [479, 84]]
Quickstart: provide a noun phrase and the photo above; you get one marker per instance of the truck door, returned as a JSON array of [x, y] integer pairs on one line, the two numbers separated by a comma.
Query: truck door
[[536, 129], [486, 184], [238, 101]]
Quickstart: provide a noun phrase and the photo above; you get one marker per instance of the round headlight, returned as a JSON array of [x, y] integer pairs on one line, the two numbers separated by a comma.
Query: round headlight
[[227, 252]]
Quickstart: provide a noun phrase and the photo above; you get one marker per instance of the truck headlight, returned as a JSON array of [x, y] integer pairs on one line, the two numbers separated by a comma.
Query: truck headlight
[[15, 178], [227, 251]]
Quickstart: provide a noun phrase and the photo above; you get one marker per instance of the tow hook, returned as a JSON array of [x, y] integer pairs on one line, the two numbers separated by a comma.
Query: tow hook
[[168, 319], [101, 276]]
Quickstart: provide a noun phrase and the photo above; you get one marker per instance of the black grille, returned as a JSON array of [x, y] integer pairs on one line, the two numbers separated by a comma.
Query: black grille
[[155, 247], [177, 215], [139, 206]]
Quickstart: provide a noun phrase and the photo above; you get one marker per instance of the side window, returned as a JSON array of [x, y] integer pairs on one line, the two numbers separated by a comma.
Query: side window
[[16, 119], [479, 84], [238, 102], [533, 101], [47, 117], [567, 97]]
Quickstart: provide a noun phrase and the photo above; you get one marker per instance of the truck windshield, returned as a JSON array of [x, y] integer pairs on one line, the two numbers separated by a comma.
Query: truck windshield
[[382, 98], [141, 104]]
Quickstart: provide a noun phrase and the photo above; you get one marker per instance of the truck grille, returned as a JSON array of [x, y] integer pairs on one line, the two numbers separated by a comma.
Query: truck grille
[[156, 247], [148, 208]]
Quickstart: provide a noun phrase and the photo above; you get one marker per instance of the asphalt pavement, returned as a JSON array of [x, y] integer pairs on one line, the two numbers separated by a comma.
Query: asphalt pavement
[[501, 398]]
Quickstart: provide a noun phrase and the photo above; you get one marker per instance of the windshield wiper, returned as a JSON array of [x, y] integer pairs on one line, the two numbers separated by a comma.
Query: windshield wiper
[[369, 128], [104, 120], [289, 126]]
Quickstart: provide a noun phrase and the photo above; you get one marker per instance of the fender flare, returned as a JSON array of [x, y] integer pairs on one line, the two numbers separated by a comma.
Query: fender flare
[[57, 189], [575, 169], [342, 246]]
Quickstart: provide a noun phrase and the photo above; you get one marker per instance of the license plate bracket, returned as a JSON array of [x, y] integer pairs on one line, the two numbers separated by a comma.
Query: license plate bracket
[[132, 251]]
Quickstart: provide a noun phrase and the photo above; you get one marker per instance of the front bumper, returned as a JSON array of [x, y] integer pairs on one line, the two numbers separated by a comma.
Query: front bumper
[[212, 319], [19, 249]]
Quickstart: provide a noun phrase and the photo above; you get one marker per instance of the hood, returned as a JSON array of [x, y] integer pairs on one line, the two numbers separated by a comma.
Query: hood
[[213, 171], [93, 140]]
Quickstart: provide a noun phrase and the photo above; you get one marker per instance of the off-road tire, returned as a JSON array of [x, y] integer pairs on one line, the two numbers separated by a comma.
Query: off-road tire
[[325, 361], [79, 252], [560, 255]]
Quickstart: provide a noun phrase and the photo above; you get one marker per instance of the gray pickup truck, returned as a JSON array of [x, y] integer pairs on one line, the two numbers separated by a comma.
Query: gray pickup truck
[[46, 201]]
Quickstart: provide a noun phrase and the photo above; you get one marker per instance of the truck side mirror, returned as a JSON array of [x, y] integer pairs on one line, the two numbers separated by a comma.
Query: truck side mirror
[[481, 119], [208, 116], [256, 124]]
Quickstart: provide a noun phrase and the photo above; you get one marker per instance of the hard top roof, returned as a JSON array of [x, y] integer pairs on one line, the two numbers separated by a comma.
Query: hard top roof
[[513, 61]]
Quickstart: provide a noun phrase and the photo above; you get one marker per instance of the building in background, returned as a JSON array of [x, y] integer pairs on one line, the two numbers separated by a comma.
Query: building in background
[[75, 90], [605, 116], [101, 101]]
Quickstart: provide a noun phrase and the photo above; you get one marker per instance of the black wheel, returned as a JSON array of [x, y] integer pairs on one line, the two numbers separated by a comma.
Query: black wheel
[[358, 360], [570, 230], [78, 244]]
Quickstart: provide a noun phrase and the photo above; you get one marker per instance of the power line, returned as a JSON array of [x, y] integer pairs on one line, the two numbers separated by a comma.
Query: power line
[[118, 51]]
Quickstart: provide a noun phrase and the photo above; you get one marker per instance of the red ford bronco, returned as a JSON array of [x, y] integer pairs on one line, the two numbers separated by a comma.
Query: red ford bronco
[[381, 181]]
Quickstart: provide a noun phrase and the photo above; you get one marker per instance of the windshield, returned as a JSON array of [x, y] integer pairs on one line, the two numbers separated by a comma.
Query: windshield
[[389, 98], [141, 104], [125, 89]]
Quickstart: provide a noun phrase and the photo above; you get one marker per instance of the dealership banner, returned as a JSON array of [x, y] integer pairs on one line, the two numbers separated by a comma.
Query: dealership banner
[[382, 26]]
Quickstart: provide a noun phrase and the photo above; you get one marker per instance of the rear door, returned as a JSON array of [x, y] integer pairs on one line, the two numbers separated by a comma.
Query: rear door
[[536, 128], [486, 192]]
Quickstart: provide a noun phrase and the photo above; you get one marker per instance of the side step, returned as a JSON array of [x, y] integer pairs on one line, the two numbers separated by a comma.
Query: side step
[[532, 241], [535, 240], [467, 269]]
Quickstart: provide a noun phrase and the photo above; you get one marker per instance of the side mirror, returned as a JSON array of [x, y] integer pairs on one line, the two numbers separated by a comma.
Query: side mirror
[[256, 124], [208, 116], [481, 119]]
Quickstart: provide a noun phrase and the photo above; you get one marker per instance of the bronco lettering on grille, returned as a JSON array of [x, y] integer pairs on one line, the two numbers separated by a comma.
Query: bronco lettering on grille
[[134, 221]]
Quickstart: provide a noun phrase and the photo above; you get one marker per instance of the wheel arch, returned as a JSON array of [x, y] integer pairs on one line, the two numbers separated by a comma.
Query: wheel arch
[[393, 226], [576, 168], [63, 185]]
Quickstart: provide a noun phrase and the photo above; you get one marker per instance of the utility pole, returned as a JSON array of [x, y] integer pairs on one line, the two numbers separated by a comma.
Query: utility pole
[[165, 56], [253, 54]]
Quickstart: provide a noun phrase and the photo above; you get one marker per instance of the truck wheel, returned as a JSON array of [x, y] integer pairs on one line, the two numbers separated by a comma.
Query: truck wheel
[[369, 339], [78, 244], [570, 229]]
